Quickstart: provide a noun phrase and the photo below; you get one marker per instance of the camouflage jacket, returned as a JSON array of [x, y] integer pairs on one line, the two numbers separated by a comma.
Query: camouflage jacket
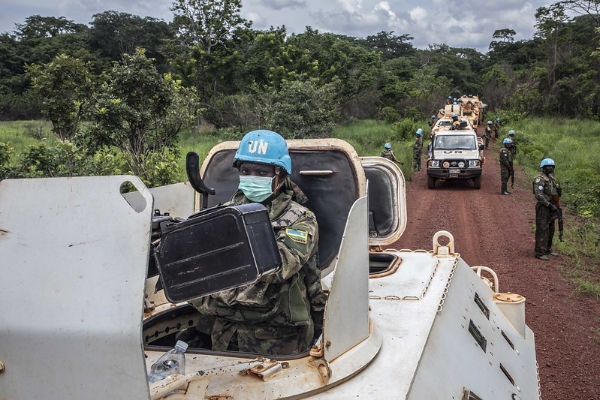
[[389, 154], [544, 188], [283, 299], [418, 145], [506, 158]]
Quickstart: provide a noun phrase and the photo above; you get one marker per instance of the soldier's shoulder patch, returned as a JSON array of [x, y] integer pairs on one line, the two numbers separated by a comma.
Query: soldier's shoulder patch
[[297, 235], [537, 179]]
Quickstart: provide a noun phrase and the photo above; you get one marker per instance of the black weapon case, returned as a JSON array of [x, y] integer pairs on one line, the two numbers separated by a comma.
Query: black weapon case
[[216, 249]]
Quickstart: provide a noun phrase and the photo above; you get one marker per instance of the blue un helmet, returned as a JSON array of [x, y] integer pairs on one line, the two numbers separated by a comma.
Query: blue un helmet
[[387, 146], [454, 115], [419, 132], [497, 118], [511, 133], [507, 141], [266, 147], [489, 122], [547, 162]]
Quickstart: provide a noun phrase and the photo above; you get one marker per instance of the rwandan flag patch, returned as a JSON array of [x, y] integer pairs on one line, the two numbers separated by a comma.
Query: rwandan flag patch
[[297, 236]]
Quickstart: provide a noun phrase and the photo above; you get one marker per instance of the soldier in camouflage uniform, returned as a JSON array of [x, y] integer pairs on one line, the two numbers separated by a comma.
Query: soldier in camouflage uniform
[[506, 164], [418, 150], [547, 194], [277, 314], [389, 154], [513, 149], [496, 128], [488, 133]]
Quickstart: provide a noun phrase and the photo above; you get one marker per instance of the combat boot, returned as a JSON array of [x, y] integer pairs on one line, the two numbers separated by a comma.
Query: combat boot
[[504, 190]]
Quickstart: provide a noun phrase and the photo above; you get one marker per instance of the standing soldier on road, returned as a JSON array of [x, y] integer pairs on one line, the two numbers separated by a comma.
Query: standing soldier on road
[[488, 133], [506, 164], [513, 149], [389, 154], [547, 193], [496, 127], [417, 150]]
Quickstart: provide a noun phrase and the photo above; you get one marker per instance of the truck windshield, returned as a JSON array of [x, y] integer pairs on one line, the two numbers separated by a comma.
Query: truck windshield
[[455, 142]]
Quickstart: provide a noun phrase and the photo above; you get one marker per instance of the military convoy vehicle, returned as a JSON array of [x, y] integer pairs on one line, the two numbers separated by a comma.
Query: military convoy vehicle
[[399, 323], [473, 109], [455, 154]]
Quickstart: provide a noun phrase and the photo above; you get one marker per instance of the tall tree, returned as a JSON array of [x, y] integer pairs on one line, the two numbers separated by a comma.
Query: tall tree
[[132, 104], [550, 20], [115, 33], [390, 45], [65, 86], [584, 7], [202, 28]]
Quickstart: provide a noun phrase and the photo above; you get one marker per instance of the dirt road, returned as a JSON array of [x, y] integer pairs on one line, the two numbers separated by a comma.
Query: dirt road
[[497, 231]]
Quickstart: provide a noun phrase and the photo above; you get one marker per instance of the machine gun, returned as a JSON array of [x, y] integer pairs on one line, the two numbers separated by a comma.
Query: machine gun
[[512, 178], [558, 216]]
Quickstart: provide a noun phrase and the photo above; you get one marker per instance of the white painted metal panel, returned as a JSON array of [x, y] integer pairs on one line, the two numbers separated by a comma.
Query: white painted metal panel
[[502, 367], [177, 199], [74, 257], [347, 311], [404, 326]]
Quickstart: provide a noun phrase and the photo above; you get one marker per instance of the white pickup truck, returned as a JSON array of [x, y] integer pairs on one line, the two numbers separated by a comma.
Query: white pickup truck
[[455, 154]]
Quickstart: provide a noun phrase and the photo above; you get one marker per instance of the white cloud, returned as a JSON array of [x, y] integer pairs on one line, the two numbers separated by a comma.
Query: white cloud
[[284, 4], [458, 23], [418, 14]]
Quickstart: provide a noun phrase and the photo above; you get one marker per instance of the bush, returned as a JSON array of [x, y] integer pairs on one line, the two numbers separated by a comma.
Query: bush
[[388, 115]]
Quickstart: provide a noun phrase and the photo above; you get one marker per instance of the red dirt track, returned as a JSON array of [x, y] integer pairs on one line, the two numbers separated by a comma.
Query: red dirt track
[[497, 231]]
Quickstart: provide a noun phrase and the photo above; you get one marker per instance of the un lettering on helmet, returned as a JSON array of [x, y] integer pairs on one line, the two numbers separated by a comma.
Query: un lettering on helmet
[[258, 147]]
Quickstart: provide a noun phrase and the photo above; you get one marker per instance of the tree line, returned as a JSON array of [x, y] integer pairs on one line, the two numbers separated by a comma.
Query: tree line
[[134, 82]]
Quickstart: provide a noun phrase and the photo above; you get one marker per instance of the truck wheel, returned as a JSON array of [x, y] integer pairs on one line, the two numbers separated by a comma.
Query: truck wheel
[[477, 182], [430, 182]]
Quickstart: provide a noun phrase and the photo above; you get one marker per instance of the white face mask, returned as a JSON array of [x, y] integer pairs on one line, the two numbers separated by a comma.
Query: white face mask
[[256, 188]]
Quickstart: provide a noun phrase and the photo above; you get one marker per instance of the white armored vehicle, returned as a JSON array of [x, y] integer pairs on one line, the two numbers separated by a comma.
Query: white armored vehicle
[[455, 154], [401, 324]]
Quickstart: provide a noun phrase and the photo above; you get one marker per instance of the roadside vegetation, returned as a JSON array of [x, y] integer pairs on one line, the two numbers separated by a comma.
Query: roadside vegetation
[[132, 95]]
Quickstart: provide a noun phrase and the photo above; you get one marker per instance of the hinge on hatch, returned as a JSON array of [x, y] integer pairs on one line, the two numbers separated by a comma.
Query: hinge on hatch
[[268, 368], [375, 249]]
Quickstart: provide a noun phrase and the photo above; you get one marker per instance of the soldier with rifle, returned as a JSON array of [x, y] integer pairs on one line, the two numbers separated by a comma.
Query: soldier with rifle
[[506, 166], [547, 209]]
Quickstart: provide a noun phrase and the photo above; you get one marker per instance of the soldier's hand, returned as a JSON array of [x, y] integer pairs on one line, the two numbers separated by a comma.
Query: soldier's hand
[[552, 207]]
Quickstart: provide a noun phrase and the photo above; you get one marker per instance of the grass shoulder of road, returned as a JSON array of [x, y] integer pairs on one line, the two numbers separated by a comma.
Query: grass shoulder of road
[[575, 147]]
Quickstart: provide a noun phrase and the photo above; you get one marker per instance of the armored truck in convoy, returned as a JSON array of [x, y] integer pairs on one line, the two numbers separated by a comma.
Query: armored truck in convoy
[[83, 317]]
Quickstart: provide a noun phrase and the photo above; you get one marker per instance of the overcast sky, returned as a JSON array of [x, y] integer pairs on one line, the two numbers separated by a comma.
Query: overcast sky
[[457, 23]]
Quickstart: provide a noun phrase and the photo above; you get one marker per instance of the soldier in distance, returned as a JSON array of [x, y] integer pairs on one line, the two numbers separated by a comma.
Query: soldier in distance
[[389, 154], [277, 314], [488, 133], [417, 150], [513, 149], [547, 193], [506, 164]]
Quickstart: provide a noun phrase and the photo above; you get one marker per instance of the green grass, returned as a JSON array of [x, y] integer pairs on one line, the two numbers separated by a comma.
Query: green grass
[[574, 145], [21, 134], [368, 137]]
